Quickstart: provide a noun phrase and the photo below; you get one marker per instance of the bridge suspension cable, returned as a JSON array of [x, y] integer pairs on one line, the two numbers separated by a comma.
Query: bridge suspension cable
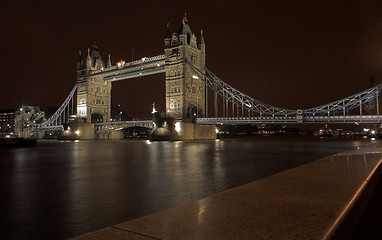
[[241, 100], [63, 111]]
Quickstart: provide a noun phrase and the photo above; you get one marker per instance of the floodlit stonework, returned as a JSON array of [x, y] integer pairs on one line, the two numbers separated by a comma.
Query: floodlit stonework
[[185, 91], [93, 93]]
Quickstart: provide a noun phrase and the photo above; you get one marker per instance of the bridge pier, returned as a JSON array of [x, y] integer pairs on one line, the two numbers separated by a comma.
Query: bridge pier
[[87, 131], [170, 129]]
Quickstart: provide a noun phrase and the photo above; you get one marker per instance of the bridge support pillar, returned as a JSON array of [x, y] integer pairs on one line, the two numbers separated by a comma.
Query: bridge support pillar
[[81, 131], [111, 135], [169, 129]]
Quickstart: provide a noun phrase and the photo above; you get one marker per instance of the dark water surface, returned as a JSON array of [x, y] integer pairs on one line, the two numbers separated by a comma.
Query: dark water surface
[[63, 189]]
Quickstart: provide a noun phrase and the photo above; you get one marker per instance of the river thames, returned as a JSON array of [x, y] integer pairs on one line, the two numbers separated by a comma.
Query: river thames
[[62, 189]]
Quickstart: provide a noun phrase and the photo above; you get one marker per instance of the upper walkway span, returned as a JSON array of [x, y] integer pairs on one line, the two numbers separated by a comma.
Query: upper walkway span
[[139, 68]]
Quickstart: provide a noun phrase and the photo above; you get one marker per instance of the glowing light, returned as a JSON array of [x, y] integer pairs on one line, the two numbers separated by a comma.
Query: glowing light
[[216, 130], [365, 129], [195, 77], [177, 127], [7, 136], [77, 132], [143, 59], [372, 132], [154, 111], [120, 64]]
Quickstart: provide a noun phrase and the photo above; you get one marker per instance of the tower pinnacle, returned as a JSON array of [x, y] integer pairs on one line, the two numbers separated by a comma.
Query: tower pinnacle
[[185, 18], [201, 37]]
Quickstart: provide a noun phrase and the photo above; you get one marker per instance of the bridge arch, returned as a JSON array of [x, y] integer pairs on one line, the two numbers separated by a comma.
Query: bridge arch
[[96, 118]]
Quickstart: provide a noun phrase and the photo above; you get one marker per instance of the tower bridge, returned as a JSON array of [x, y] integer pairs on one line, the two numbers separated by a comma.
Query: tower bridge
[[191, 88]]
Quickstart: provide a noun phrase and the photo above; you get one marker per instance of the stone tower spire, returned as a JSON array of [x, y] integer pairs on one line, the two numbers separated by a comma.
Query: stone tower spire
[[167, 39], [201, 37], [79, 60], [88, 60], [109, 62]]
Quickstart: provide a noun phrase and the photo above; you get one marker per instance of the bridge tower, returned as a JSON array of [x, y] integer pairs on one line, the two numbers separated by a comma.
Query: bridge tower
[[93, 93], [185, 92]]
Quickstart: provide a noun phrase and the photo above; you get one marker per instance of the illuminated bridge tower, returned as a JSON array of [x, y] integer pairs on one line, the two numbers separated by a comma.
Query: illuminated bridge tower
[[185, 92], [93, 93]]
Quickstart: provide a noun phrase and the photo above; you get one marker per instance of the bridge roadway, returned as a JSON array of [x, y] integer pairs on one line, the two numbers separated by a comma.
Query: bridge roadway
[[292, 119], [102, 127], [323, 199]]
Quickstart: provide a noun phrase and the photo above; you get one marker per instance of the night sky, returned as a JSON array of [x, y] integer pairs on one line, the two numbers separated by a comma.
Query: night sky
[[291, 54]]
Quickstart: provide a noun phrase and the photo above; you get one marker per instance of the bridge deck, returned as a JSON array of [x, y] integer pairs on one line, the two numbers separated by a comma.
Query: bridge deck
[[292, 119], [321, 199]]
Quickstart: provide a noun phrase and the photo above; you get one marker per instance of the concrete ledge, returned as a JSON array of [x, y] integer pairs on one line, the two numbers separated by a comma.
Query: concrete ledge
[[321, 199], [349, 218]]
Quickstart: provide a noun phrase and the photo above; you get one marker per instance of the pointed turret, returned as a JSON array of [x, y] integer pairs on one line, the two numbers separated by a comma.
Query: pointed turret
[[185, 20], [168, 33], [109, 62], [88, 60], [167, 40], [201, 37], [202, 44], [95, 56], [79, 60], [184, 31]]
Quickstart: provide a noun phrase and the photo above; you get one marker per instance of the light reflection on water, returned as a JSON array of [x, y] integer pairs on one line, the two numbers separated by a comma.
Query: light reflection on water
[[62, 189]]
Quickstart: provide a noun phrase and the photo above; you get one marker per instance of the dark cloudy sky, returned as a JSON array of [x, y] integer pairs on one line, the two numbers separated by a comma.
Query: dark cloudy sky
[[291, 54]]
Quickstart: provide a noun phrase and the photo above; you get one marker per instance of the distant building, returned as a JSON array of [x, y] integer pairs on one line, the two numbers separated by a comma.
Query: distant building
[[7, 118]]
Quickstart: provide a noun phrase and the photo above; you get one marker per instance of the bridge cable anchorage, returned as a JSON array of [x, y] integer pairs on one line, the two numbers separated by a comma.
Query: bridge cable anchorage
[[323, 113]]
